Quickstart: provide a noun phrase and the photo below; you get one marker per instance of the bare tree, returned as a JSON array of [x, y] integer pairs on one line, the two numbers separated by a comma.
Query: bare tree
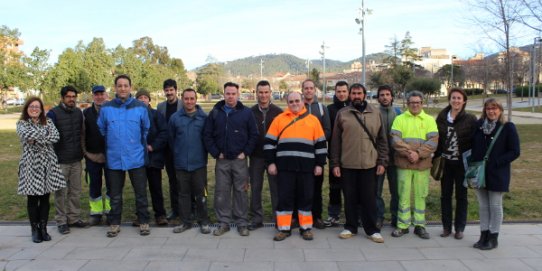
[[531, 14], [496, 18]]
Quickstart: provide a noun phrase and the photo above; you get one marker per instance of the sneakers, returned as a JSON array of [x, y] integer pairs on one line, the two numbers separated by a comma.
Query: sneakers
[[205, 229], [281, 235], [63, 229], [144, 229], [243, 230], [161, 221], [221, 230], [113, 231], [319, 224], [181, 228], [307, 235], [79, 224], [421, 232], [254, 226], [331, 222], [376, 237], [345, 234], [399, 232]]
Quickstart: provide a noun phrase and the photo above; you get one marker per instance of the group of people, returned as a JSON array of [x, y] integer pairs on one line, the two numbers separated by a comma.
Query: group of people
[[364, 144]]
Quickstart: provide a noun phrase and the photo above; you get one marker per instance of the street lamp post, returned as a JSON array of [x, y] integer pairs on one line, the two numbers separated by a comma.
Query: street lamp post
[[323, 54], [452, 72], [361, 21], [533, 72]]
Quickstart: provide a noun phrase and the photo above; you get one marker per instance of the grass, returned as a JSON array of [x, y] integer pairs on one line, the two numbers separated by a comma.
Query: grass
[[521, 203], [537, 109]]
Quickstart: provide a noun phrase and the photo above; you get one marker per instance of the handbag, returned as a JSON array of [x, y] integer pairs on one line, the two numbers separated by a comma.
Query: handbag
[[437, 169], [475, 175]]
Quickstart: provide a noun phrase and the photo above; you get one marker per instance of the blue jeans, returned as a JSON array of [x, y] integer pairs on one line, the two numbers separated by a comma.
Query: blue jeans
[[138, 177], [391, 172]]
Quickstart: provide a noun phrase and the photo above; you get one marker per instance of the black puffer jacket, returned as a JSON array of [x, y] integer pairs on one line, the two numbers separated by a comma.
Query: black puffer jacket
[[464, 124], [69, 123]]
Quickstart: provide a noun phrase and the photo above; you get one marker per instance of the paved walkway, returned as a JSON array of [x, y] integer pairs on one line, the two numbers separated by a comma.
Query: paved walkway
[[520, 248]]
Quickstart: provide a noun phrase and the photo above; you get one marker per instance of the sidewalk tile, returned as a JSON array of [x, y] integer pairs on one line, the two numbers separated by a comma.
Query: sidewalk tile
[[241, 266], [214, 255], [306, 266], [431, 265], [108, 265], [91, 253], [373, 266], [336, 254], [176, 266], [458, 253], [392, 254], [47, 265], [497, 265], [155, 254], [275, 255]]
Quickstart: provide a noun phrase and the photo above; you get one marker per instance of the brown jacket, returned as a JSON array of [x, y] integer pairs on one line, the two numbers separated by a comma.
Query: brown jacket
[[351, 147]]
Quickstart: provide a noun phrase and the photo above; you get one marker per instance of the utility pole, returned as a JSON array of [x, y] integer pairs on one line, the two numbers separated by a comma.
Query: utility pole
[[261, 68], [308, 64], [361, 21], [323, 54]]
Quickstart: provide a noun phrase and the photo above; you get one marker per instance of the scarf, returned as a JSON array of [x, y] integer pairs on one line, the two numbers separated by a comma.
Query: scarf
[[488, 126]]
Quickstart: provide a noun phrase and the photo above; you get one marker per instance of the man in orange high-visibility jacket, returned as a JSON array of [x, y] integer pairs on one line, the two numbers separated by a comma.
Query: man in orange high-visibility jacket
[[295, 150]]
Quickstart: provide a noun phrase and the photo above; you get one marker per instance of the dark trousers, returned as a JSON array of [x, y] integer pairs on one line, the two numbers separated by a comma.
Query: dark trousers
[[193, 185], [257, 169], [295, 190], [138, 178], [172, 178], [359, 187], [453, 175], [317, 196], [391, 172], [154, 178], [38, 208], [335, 195]]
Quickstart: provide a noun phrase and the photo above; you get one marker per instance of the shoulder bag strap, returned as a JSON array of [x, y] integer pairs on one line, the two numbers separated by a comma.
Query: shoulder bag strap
[[292, 122], [365, 128], [493, 142]]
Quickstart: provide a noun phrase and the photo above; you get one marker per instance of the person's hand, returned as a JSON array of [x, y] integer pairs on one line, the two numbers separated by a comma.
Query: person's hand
[[221, 156], [30, 141], [241, 156], [380, 169], [337, 172], [317, 170], [149, 148], [413, 156], [272, 169]]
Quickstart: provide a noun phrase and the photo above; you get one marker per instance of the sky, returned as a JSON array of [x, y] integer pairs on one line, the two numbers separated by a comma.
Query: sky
[[228, 30]]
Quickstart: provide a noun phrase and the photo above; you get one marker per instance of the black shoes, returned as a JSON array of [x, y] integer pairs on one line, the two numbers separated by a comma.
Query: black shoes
[[483, 238], [421, 232], [319, 224], [63, 229], [79, 224], [36, 234], [43, 230], [254, 226], [491, 241]]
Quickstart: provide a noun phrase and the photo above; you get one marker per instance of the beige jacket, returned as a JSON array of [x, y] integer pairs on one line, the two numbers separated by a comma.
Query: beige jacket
[[351, 146]]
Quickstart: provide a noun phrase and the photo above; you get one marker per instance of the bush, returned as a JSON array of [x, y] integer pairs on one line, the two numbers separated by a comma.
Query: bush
[[525, 91], [474, 91]]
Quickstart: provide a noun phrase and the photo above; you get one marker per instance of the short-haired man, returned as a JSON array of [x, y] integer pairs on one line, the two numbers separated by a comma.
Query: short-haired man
[[156, 144], [295, 151], [230, 135], [94, 151], [68, 120], [319, 111], [340, 100], [167, 108], [186, 137], [414, 138], [264, 112], [388, 113], [124, 123], [359, 153]]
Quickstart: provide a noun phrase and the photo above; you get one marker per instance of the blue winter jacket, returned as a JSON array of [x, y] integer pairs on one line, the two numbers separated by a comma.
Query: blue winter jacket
[[157, 138], [186, 139], [125, 127], [231, 133]]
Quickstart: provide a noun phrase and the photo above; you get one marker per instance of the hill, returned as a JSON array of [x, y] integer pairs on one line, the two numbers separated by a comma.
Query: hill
[[274, 63]]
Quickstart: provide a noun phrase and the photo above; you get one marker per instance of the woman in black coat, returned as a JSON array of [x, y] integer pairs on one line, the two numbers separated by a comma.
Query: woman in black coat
[[504, 152], [455, 128]]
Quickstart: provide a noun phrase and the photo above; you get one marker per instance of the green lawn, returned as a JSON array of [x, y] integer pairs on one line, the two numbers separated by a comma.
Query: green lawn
[[522, 203]]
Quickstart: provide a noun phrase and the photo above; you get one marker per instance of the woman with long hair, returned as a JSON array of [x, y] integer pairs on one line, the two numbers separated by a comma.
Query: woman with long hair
[[39, 172], [455, 128], [497, 173]]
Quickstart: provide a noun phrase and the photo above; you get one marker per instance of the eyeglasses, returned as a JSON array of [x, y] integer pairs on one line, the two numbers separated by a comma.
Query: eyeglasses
[[414, 103], [492, 108], [34, 107], [294, 101]]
